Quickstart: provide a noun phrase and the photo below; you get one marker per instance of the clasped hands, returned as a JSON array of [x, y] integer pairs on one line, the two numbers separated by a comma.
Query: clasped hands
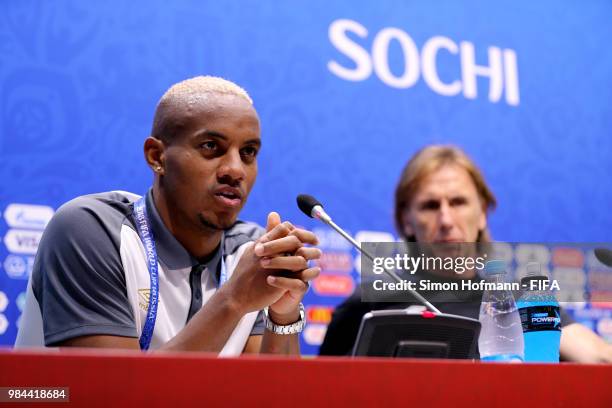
[[274, 271]]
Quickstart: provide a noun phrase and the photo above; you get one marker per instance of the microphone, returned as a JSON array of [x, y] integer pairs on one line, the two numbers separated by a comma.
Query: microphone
[[314, 209], [604, 256]]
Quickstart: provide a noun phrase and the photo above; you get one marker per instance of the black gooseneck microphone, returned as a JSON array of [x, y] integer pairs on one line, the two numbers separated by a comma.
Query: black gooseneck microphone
[[314, 209], [604, 256]]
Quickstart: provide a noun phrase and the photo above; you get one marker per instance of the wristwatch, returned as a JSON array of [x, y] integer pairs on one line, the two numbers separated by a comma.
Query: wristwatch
[[292, 328]]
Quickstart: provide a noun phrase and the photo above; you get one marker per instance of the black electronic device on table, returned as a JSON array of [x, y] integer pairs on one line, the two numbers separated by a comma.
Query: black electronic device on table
[[420, 334]]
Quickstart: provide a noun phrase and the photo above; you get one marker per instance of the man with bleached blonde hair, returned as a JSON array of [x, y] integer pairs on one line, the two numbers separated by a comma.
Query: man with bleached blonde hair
[[175, 269]]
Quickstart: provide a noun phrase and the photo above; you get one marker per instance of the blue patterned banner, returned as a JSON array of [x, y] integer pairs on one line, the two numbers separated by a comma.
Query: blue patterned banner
[[346, 93]]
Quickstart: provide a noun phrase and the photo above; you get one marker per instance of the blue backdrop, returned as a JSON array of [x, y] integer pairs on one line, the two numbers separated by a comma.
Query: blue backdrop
[[346, 92]]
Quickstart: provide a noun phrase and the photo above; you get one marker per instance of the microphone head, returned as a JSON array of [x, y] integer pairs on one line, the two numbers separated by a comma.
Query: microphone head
[[604, 256], [307, 203]]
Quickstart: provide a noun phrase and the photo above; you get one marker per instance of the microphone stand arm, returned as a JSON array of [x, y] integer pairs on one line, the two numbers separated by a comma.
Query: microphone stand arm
[[327, 220]]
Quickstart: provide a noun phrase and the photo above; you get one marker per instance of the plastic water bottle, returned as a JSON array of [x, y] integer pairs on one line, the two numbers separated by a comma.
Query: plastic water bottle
[[501, 335], [540, 317]]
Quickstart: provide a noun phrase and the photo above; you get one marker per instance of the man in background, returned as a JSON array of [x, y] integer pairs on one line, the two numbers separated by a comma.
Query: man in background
[[442, 198]]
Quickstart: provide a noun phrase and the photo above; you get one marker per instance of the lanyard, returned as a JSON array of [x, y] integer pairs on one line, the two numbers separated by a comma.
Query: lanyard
[[145, 232]]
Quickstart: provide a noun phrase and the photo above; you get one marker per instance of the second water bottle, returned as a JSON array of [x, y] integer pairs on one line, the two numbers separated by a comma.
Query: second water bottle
[[501, 334]]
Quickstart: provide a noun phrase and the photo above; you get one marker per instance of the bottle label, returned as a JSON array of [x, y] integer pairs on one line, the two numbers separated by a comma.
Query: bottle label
[[538, 318], [504, 358]]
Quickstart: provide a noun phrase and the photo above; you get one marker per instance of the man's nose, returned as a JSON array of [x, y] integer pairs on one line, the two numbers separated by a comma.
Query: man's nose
[[446, 216], [231, 168]]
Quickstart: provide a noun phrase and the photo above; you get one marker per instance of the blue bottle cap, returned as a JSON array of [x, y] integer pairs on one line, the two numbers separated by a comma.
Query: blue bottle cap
[[495, 267]]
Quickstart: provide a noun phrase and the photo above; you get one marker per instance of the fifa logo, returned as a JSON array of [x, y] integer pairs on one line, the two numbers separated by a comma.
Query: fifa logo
[[501, 70]]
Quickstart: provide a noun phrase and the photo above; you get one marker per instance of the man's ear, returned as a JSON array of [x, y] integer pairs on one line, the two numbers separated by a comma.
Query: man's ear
[[407, 227], [154, 154]]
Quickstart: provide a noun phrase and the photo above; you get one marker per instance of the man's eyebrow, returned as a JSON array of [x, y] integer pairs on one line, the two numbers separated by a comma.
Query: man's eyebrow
[[256, 142], [218, 135], [428, 198], [211, 133]]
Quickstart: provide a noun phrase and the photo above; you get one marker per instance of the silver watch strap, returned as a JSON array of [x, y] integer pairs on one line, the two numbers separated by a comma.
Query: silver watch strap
[[292, 328]]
